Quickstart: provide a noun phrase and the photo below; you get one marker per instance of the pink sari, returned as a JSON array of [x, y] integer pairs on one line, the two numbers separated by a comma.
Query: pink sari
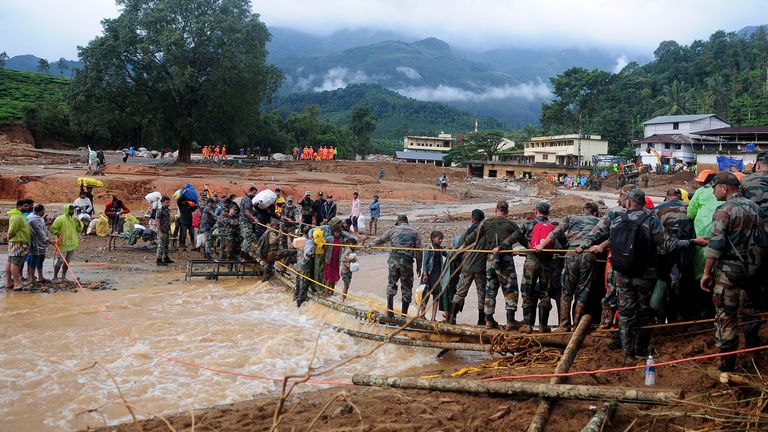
[[332, 272]]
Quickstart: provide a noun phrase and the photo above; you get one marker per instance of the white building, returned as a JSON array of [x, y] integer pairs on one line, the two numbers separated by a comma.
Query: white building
[[671, 138], [565, 149], [443, 142]]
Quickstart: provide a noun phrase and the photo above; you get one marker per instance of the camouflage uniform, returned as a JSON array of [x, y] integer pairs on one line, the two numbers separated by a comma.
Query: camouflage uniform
[[227, 229], [737, 237], [498, 231], [600, 233], [164, 230], [473, 268], [207, 223], [577, 272], [273, 251], [288, 218], [755, 188], [400, 262], [537, 275], [685, 299], [346, 271], [634, 292], [246, 225]]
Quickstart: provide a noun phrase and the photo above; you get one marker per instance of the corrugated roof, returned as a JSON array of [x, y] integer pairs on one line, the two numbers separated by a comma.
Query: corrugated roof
[[680, 118], [735, 131], [666, 139], [419, 155]]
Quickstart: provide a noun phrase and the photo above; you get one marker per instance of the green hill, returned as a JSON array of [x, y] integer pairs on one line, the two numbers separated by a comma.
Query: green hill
[[397, 115], [21, 90]]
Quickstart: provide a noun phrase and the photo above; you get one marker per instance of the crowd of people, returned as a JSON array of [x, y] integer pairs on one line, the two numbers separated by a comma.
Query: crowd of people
[[215, 152], [322, 153]]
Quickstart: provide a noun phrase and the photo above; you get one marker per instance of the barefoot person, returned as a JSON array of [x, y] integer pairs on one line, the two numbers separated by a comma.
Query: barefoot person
[[38, 244], [67, 230], [18, 244]]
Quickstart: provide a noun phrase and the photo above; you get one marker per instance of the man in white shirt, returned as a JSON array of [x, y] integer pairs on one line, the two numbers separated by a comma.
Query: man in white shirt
[[355, 214], [83, 204]]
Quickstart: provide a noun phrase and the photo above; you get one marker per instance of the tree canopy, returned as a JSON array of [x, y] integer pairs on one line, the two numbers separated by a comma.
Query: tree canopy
[[175, 71], [362, 124]]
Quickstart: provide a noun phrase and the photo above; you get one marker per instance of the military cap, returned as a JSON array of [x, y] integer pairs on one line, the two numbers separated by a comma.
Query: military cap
[[726, 178], [626, 188], [637, 196]]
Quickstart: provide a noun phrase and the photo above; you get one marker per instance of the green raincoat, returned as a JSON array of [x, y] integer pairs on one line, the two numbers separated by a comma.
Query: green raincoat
[[68, 229], [701, 209]]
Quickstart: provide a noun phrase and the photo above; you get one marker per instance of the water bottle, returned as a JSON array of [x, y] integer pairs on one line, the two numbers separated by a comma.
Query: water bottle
[[650, 371]]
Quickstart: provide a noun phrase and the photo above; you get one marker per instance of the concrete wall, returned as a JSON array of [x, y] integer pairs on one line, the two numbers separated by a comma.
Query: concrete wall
[[685, 128], [493, 170]]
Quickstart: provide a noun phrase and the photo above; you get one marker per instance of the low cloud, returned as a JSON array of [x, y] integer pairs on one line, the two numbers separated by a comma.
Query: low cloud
[[621, 62], [340, 77], [305, 83], [409, 72], [443, 93]]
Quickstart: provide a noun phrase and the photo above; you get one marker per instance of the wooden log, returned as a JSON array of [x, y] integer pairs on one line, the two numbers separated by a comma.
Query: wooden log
[[400, 340], [545, 406], [524, 389], [595, 424]]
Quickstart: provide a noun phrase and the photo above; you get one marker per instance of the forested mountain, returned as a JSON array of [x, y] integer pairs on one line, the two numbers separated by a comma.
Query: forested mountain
[[288, 43], [396, 115], [726, 75], [31, 63]]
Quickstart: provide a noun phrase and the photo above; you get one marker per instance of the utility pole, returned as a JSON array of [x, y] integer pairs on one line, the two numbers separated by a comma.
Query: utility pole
[[578, 157]]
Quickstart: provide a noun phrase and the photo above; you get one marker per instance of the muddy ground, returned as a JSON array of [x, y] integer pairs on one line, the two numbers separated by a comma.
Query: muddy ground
[[50, 178]]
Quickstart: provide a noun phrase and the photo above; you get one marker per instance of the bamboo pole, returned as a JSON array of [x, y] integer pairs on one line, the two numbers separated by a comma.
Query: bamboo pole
[[595, 424], [545, 406], [524, 389]]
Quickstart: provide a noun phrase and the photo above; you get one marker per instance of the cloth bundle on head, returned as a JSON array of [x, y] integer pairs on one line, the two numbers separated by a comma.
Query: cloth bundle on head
[[189, 193], [153, 196]]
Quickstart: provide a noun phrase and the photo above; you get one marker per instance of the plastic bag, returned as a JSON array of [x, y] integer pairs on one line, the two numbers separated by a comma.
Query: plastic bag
[[361, 228], [659, 297], [264, 199], [199, 240], [188, 192], [421, 292], [176, 194], [153, 197], [89, 182], [131, 218], [102, 227], [92, 227]]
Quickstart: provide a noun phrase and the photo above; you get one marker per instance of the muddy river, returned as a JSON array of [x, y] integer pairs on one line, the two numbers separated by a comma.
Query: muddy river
[[48, 343]]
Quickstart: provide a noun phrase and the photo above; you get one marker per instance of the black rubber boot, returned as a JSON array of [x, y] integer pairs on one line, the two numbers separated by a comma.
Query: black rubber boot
[[404, 308], [390, 306], [455, 307], [490, 323], [167, 260], [727, 363], [543, 320], [511, 323], [480, 317], [160, 262], [529, 317]]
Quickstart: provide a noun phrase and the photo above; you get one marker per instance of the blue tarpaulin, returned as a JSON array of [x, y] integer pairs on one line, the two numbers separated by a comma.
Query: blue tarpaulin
[[724, 163]]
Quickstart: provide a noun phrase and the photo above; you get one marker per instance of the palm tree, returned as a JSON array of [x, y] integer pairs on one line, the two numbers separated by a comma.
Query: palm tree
[[674, 100], [716, 95]]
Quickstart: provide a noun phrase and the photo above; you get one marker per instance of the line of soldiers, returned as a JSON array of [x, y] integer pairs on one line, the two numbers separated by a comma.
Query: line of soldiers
[[644, 246]]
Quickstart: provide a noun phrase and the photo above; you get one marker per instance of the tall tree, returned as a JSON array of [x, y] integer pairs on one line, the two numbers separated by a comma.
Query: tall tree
[[487, 143], [3, 59], [62, 65], [362, 124], [43, 66], [674, 100], [186, 70]]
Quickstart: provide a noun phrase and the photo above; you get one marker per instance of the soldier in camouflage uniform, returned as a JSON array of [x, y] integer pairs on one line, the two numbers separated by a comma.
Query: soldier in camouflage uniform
[[164, 231], [247, 219], [473, 269], [207, 224], [537, 274], [733, 257], [289, 219], [400, 262], [684, 298], [634, 291], [227, 226], [577, 274], [272, 250], [754, 187], [498, 232]]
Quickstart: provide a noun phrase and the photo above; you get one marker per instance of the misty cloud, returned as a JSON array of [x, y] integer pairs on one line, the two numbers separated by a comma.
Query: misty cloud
[[340, 77], [443, 93], [621, 62], [409, 72]]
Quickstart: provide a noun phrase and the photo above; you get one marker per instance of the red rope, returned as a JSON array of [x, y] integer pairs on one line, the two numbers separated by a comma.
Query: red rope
[[173, 359]]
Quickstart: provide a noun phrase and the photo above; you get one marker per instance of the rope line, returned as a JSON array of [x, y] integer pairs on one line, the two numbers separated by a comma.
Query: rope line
[[170, 358]]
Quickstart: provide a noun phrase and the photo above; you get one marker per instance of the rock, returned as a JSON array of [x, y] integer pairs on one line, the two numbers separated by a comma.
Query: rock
[[343, 410], [503, 412]]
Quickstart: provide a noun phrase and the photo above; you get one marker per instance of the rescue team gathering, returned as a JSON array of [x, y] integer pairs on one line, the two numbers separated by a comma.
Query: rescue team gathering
[[684, 259]]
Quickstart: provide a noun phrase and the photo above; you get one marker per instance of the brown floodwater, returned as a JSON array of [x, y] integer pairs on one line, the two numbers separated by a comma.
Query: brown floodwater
[[49, 341]]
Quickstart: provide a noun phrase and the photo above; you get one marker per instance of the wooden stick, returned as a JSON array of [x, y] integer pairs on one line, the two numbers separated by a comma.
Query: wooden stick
[[545, 406], [524, 389], [595, 424]]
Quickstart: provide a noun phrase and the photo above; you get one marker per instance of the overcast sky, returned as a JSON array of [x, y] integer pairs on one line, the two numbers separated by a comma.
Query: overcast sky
[[54, 28]]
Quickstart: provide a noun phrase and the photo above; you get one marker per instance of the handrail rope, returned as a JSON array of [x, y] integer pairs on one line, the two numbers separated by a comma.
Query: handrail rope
[[178, 360]]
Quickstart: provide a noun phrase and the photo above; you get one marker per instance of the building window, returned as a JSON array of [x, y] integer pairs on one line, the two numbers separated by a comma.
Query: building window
[[678, 146], [666, 147], [492, 173], [545, 156], [510, 173], [675, 126]]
